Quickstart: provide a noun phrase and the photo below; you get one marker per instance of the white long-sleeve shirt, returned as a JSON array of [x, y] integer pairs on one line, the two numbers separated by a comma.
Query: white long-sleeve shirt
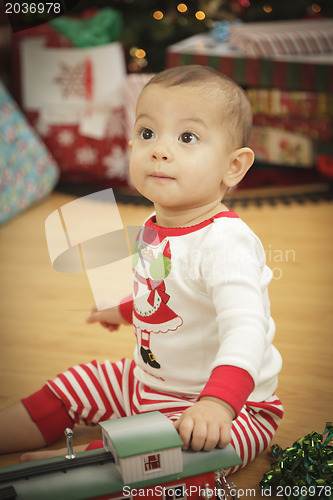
[[201, 303]]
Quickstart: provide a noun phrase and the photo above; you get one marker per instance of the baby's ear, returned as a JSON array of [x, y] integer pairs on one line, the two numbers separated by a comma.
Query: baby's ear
[[241, 161]]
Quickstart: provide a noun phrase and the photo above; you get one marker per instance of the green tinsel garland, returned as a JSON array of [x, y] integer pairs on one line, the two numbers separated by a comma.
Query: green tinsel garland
[[305, 470]]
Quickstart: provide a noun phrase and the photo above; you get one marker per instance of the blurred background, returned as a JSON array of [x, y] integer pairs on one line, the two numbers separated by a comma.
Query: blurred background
[[70, 75], [75, 69]]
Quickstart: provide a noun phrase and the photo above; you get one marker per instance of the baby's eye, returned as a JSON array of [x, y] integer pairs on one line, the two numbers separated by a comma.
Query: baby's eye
[[188, 137], [146, 134]]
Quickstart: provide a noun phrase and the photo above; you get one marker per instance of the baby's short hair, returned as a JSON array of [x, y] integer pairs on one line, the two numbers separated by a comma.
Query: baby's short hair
[[237, 113]]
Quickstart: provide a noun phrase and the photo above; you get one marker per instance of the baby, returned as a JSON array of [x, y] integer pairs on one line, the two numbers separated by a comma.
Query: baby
[[200, 308]]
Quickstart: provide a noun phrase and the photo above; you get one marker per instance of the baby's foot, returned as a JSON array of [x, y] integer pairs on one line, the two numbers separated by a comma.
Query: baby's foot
[[38, 455]]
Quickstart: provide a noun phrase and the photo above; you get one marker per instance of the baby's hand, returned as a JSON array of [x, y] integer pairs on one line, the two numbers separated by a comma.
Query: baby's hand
[[206, 424], [108, 318]]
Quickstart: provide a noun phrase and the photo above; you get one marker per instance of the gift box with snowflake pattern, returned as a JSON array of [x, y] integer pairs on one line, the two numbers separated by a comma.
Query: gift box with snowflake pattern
[[73, 97]]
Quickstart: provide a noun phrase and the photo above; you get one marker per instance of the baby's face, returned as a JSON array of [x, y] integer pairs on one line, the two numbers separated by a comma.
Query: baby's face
[[179, 148]]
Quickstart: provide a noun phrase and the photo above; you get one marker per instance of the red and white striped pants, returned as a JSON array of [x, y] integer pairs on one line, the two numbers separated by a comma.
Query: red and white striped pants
[[95, 392]]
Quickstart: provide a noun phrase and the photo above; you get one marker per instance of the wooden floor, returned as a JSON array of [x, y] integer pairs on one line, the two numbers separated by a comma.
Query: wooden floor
[[43, 330]]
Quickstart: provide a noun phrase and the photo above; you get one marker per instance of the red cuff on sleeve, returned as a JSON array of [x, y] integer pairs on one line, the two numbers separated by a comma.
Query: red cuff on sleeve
[[126, 308], [231, 384], [49, 414]]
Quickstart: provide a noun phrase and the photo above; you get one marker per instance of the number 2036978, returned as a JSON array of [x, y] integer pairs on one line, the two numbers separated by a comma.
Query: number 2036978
[[306, 491], [32, 8]]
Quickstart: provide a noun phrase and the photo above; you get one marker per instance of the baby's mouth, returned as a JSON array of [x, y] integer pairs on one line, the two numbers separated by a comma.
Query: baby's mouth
[[161, 176]]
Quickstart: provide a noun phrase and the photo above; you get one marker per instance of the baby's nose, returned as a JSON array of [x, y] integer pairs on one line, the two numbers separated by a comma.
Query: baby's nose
[[161, 153], [159, 156]]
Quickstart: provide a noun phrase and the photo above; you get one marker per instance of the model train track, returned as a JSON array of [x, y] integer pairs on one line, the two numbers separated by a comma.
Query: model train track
[[60, 464]]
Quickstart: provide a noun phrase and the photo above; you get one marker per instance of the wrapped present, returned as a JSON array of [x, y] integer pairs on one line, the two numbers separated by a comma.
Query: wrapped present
[[73, 97], [319, 128], [264, 39], [278, 102], [28, 173], [308, 113], [306, 72], [281, 147]]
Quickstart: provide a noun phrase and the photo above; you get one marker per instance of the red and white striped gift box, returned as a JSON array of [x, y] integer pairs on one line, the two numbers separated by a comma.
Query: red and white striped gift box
[[308, 36]]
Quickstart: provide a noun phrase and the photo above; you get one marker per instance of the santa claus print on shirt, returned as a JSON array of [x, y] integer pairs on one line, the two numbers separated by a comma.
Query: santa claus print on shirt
[[152, 264]]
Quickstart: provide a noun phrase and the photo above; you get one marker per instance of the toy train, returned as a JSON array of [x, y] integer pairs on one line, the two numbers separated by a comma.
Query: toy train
[[142, 457]]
